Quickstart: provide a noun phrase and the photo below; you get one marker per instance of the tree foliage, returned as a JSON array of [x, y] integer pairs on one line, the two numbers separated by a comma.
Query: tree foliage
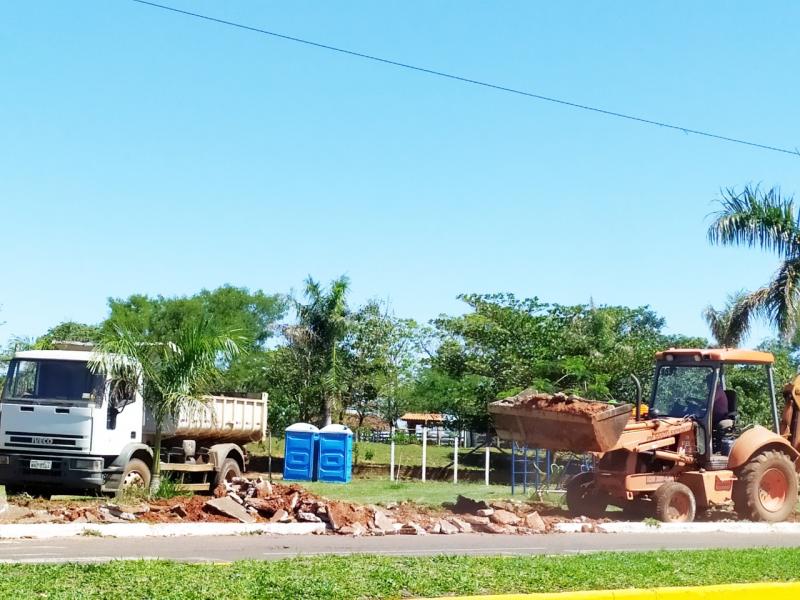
[[755, 218], [505, 344], [253, 315], [316, 339], [177, 370], [730, 325]]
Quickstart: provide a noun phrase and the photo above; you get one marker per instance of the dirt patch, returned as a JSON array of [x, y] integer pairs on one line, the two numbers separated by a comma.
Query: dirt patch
[[561, 403]]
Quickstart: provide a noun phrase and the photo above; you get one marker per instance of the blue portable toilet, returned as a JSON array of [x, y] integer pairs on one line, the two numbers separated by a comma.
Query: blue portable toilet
[[299, 451], [335, 461]]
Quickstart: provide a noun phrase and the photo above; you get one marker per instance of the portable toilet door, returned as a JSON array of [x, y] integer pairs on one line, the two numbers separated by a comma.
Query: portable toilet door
[[299, 451], [335, 462]]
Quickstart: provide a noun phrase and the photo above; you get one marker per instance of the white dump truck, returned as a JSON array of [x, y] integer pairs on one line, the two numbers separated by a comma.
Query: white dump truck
[[64, 425]]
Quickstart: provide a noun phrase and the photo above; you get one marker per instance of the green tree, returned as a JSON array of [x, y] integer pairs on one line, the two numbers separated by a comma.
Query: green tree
[[770, 221], [253, 315], [730, 325], [68, 331], [381, 359], [178, 371], [750, 383], [505, 344], [14, 345], [317, 339]]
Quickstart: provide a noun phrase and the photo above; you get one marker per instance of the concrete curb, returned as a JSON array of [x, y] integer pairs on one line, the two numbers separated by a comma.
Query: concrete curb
[[42, 531], [746, 591]]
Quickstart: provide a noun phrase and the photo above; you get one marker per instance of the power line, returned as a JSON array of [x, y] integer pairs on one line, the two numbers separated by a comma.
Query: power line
[[485, 84]]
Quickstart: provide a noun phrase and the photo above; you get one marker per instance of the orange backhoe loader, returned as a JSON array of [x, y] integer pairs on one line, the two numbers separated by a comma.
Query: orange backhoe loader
[[686, 452]]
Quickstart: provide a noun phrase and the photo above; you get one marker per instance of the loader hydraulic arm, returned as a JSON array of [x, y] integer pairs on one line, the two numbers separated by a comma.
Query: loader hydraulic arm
[[790, 419]]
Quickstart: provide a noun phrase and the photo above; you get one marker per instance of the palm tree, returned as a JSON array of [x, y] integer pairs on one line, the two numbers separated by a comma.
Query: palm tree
[[729, 325], [770, 221], [322, 325], [177, 373]]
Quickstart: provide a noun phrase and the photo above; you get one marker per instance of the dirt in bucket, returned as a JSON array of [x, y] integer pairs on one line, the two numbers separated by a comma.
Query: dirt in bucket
[[562, 403]]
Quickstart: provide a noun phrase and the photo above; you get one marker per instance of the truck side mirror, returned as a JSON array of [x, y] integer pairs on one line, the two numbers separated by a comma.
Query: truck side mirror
[[122, 392]]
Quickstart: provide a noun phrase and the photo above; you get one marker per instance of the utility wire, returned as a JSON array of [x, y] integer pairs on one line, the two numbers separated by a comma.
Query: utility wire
[[485, 84]]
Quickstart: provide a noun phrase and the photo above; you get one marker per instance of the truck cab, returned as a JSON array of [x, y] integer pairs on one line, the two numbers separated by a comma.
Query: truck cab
[[66, 421], [63, 422]]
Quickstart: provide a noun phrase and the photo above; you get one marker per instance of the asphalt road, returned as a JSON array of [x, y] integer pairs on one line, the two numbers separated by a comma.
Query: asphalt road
[[260, 547]]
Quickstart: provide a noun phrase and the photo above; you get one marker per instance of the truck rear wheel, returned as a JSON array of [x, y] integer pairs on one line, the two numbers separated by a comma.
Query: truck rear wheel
[[766, 489], [675, 503], [135, 475], [583, 497]]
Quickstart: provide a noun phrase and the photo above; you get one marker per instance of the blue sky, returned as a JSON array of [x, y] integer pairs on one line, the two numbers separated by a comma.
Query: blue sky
[[142, 151]]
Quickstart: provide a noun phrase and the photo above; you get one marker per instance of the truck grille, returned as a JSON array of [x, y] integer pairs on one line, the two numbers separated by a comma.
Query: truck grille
[[44, 441]]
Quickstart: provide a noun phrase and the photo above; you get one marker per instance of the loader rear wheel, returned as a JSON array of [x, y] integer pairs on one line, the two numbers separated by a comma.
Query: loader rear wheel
[[675, 503], [766, 489], [583, 497]]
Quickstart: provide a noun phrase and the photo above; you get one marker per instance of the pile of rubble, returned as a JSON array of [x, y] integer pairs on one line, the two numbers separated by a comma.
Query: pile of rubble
[[259, 501]]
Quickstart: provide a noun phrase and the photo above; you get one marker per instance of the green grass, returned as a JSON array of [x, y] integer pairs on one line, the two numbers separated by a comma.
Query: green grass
[[382, 578], [432, 493], [406, 455]]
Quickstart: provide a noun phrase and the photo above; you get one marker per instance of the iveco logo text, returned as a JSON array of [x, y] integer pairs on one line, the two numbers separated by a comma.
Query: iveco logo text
[[43, 441]]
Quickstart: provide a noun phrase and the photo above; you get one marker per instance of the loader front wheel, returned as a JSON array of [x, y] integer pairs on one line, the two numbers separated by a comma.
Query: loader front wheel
[[675, 503], [583, 497], [766, 489]]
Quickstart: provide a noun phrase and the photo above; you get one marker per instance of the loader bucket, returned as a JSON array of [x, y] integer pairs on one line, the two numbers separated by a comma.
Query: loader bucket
[[560, 422]]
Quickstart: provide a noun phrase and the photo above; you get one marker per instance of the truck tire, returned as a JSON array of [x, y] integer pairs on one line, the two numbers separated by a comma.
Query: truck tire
[[228, 470], [766, 489], [583, 497], [136, 474], [675, 503]]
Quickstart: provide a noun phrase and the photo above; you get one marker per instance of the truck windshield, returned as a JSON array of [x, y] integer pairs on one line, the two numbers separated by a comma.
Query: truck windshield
[[682, 391], [52, 380]]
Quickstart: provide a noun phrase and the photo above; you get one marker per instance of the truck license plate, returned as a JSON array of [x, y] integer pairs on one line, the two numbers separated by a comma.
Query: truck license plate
[[45, 465]]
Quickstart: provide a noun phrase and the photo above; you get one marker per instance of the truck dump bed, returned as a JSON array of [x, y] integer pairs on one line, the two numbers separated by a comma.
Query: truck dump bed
[[221, 419], [560, 422]]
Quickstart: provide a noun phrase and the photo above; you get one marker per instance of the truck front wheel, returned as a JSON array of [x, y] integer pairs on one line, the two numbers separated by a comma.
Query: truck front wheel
[[228, 470], [135, 475]]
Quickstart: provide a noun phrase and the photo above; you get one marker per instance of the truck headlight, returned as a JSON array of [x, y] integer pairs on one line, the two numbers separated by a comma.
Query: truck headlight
[[4, 460], [87, 464]]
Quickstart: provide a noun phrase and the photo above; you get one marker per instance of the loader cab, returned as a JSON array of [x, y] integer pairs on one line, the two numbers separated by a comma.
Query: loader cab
[[691, 383]]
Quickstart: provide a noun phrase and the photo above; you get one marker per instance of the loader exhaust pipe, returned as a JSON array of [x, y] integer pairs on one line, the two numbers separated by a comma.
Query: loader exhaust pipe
[[638, 385]]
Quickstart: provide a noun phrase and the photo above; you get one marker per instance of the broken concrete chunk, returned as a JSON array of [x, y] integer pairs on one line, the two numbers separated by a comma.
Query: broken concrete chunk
[[484, 512], [280, 516], [263, 489], [495, 528], [460, 524], [475, 520], [412, 528], [535, 523], [308, 517], [383, 521], [231, 508], [179, 510], [447, 528], [504, 517]]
